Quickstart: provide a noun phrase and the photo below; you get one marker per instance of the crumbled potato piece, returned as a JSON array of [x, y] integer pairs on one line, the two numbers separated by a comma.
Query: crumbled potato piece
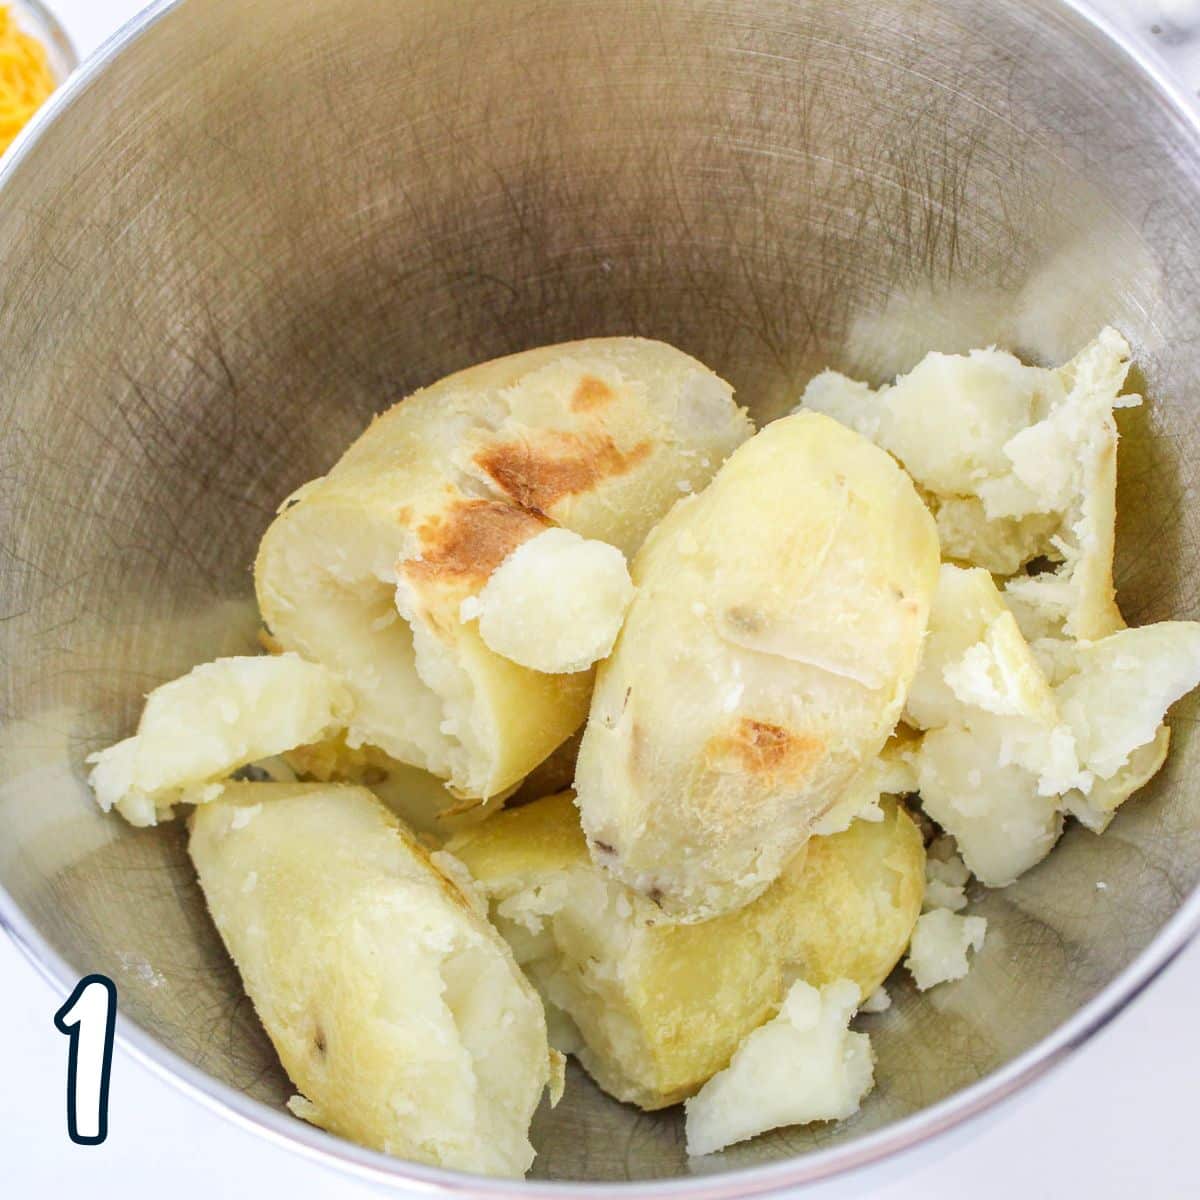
[[366, 569], [877, 1002], [1097, 808], [995, 756], [940, 942], [1002, 545], [1002, 825], [653, 1009], [974, 654], [1016, 462], [555, 604], [762, 664], [396, 1010], [1122, 687], [804, 1065], [1006, 753], [946, 876], [950, 418], [197, 730]]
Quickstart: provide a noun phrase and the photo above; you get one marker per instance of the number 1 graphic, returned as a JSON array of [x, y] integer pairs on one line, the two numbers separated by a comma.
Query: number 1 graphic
[[89, 1019]]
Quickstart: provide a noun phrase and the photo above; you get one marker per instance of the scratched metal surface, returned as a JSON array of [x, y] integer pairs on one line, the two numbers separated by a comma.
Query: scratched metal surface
[[264, 222]]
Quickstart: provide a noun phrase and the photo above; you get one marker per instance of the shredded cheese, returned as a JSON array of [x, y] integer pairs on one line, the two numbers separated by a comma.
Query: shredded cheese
[[25, 77]]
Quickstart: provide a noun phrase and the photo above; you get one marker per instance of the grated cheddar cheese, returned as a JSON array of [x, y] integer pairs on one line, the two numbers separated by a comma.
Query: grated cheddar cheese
[[25, 77]]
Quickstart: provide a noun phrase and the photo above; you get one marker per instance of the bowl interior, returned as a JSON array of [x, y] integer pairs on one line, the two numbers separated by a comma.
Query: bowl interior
[[258, 224]]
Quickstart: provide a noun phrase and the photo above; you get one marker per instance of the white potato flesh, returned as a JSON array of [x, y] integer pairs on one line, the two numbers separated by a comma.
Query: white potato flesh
[[803, 1066], [555, 604], [946, 876], [1099, 805], [763, 663], [1017, 463], [1001, 545], [1010, 754], [1002, 824], [974, 654], [396, 1010], [948, 420], [1122, 688], [940, 943], [366, 569], [996, 754], [197, 730]]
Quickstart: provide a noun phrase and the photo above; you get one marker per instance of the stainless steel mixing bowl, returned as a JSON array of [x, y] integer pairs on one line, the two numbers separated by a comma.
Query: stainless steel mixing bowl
[[245, 227]]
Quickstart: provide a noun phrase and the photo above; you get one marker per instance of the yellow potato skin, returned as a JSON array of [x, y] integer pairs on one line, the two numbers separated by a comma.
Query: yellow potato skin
[[686, 995], [764, 661], [354, 948]]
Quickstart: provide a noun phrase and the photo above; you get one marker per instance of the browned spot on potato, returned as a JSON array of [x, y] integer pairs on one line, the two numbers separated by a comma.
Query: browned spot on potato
[[590, 393], [762, 749], [467, 542], [537, 473]]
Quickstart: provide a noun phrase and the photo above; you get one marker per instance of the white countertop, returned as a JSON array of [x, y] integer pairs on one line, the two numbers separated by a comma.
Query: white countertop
[[1117, 1119]]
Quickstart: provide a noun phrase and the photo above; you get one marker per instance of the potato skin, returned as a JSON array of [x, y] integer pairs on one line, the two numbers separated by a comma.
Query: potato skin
[[596, 436], [395, 1008], [661, 1007], [765, 659]]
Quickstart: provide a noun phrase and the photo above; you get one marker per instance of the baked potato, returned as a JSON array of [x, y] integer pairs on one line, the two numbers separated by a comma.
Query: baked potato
[[763, 663], [366, 570], [396, 1009]]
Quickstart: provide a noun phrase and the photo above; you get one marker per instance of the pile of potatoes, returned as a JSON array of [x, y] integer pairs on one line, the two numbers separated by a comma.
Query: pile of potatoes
[[591, 721]]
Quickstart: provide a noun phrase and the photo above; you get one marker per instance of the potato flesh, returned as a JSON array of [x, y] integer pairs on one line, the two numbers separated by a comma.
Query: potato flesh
[[366, 569], [1006, 753], [198, 729], [555, 604], [1017, 462], [762, 663], [940, 943], [396, 1010], [657, 1008], [803, 1065]]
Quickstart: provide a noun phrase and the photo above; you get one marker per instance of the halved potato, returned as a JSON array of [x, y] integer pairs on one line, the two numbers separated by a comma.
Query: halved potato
[[764, 661], [655, 1008], [366, 569], [396, 1009], [197, 730]]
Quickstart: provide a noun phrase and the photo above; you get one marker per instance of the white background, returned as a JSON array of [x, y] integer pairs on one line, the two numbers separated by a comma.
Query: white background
[[1118, 1119]]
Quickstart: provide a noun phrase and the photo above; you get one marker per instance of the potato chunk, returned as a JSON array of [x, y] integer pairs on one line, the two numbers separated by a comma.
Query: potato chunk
[[1007, 752], [803, 1065], [939, 947], [656, 1008], [366, 569], [555, 604], [200, 728], [396, 1010], [1017, 463], [764, 662]]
